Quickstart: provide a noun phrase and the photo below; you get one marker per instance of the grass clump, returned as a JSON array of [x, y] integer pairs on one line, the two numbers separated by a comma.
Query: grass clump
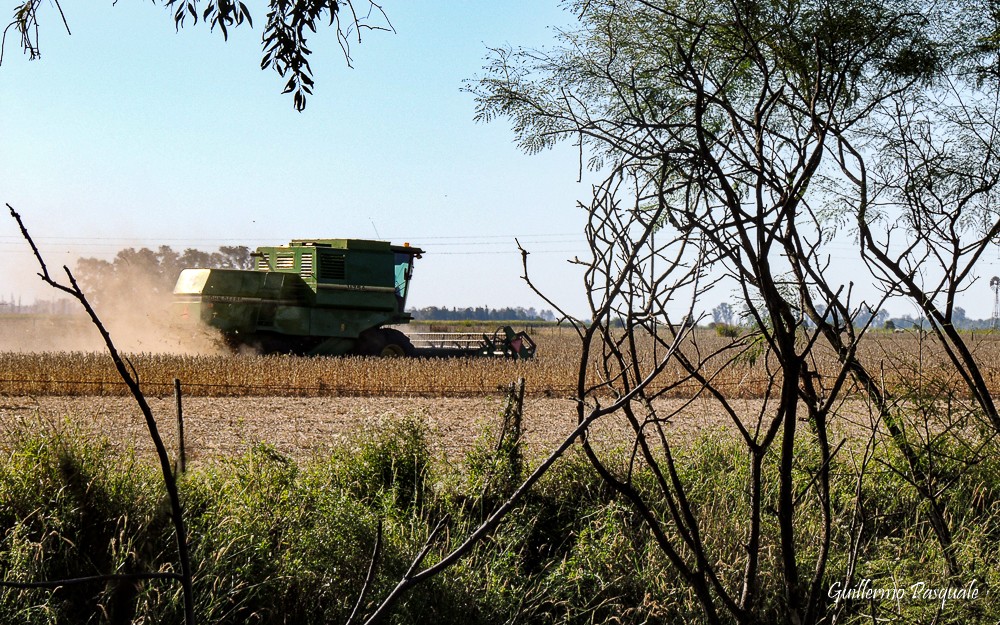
[[70, 509]]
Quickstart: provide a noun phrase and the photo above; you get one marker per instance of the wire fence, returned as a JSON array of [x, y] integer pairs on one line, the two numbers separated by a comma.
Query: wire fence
[[25, 386], [746, 388]]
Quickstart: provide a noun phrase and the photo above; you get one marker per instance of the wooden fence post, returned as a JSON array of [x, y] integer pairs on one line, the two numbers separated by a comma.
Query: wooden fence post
[[181, 461]]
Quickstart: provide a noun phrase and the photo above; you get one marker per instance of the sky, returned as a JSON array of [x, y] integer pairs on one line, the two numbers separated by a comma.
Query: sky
[[128, 133]]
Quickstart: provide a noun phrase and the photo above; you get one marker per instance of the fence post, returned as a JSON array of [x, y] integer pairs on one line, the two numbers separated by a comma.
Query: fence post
[[512, 428], [181, 461]]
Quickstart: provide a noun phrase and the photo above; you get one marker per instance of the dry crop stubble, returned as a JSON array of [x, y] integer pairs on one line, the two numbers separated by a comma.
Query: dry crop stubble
[[731, 366], [304, 404], [219, 427], [82, 373]]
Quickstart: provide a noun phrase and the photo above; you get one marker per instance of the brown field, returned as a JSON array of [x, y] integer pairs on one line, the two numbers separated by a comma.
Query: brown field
[[217, 427], [552, 374], [236, 375], [303, 405]]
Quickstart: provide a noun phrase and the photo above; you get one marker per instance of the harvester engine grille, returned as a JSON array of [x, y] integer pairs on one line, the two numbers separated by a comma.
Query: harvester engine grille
[[331, 266]]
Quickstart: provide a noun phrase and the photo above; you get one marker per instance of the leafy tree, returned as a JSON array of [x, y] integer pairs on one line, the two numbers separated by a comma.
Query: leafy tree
[[958, 317], [746, 135], [152, 273], [723, 314], [287, 27], [865, 316]]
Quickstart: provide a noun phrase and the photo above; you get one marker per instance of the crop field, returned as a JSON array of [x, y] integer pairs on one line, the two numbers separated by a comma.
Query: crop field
[[88, 373], [553, 373], [302, 405]]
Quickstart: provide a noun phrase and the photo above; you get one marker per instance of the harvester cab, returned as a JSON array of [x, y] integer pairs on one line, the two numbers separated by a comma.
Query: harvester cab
[[319, 297]]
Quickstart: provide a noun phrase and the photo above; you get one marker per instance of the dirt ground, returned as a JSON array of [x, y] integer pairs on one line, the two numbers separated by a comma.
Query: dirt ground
[[301, 427]]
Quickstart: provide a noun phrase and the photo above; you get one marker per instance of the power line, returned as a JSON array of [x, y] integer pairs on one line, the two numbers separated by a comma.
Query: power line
[[9, 239], [472, 246]]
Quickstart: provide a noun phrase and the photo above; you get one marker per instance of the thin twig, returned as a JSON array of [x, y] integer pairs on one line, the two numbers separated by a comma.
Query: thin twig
[[370, 577], [131, 380]]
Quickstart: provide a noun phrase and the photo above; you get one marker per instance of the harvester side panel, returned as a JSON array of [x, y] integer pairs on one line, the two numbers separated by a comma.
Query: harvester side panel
[[366, 282]]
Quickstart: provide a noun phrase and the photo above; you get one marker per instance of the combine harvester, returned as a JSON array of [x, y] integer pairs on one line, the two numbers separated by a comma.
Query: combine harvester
[[326, 297]]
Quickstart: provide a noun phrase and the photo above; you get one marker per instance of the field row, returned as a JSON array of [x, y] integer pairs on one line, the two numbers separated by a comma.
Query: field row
[[898, 359], [77, 373]]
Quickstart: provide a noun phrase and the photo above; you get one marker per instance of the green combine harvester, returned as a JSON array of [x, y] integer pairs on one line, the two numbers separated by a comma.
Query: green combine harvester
[[326, 297]]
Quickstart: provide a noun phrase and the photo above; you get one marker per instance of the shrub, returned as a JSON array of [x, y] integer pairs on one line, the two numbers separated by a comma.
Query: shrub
[[727, 331]]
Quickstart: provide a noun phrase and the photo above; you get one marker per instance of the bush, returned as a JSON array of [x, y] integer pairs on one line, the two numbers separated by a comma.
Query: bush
[[726, 330]]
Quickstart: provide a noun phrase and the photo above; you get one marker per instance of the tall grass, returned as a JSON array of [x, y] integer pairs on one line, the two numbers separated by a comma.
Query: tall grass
[[279, 541]]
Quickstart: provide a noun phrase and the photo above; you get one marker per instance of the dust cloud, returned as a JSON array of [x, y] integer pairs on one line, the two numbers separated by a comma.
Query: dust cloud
[[136, 313]]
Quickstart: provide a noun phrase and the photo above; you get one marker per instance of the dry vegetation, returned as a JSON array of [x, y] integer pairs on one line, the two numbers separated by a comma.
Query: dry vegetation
[[552, 374]]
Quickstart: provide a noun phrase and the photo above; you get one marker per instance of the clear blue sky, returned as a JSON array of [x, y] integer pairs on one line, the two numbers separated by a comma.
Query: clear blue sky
[[128, 133]]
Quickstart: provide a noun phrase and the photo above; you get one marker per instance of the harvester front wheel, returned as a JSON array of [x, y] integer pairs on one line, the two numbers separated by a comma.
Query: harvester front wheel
[[392, 351], [396, 344], [385, 343]]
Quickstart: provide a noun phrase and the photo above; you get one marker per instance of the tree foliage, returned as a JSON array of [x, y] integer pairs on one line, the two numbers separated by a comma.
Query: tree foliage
[[150, 274], [287, 28], [435, 313], [737, 141]]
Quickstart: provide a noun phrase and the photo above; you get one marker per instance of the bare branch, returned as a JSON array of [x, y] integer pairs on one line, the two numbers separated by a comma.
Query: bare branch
[[131, 381]]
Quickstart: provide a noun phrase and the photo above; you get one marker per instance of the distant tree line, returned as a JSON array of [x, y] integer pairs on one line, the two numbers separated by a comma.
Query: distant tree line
[[883, 319], [483, 313], [58, 306], [148, 273], [725, 315], [959, 320]]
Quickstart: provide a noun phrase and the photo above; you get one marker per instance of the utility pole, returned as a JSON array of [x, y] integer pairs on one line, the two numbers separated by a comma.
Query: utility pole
[[995, 285]]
